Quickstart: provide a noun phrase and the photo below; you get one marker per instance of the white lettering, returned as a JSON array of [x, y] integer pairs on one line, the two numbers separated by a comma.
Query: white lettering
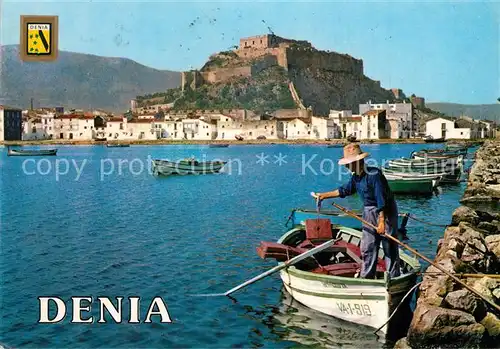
[[116, 313], [162, 310], [131, 167], [24, 167], [39, 166], [308, 164], [79, 170], [66, 170], [106, 173], [332, 166], [77, 309], [44, 310], [134, 310]]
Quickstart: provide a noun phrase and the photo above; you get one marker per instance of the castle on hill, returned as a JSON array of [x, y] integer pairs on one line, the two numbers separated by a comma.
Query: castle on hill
[[257, 53]]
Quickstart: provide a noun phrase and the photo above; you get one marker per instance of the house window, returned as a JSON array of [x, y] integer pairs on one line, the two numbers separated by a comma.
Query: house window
[[85, 127], [250, 133], [121, 126], [110, 134], [207, 134], [374, 133], [461, 133]]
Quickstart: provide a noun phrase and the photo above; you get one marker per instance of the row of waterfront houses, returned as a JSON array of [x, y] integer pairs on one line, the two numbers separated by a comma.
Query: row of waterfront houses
[[375, 121]]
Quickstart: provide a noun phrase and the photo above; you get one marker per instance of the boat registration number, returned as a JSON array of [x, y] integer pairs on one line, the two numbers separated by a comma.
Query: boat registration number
[[354, 308]]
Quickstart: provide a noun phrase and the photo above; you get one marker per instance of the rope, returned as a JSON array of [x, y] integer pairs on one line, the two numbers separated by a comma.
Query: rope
[[395, 310], [424, 222], [289, 217]]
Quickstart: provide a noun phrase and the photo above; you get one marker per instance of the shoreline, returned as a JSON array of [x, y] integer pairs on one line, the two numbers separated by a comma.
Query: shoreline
[[231, 142], [446, 312]]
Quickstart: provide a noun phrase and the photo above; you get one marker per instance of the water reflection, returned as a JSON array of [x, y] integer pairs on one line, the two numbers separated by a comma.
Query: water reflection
[[294, 322]]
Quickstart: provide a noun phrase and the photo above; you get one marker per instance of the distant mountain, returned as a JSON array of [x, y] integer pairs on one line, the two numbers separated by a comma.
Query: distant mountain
[[78, 80], [477, 111]]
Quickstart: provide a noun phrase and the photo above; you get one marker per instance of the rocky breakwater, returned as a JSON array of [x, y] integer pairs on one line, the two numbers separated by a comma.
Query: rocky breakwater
[[448, 315]]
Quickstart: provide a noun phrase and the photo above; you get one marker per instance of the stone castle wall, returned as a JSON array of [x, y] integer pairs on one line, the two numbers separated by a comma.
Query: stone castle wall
[[223, 74], [276, 51], [332, 61]]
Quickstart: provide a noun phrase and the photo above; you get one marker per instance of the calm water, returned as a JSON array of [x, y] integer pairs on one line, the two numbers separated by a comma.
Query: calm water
[[132, 234]]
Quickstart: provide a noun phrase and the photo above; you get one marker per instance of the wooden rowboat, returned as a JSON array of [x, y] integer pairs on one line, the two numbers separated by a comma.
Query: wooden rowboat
[[416, 186], [33, 152], [327, 283], [447, 174], [185, 167], [430, 139], [111, 145]]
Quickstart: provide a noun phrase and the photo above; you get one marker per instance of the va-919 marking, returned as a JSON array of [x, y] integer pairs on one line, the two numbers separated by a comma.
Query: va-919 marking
[[354, 308]]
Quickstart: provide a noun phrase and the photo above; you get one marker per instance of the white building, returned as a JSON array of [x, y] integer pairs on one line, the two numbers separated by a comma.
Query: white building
[[322, 128], [141, 129], [402, 112], [231, 128], [374, 124], [199, 128], [447, 128], [295, 128]]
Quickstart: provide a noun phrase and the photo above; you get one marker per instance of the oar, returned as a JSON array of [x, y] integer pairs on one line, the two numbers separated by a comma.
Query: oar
[[286, 264], [495, 306]]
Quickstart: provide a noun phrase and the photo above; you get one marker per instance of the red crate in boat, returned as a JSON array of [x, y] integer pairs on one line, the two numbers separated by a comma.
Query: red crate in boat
[[320, 228]]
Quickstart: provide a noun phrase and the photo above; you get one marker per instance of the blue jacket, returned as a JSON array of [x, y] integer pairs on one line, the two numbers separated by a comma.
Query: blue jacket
[[373, 189]]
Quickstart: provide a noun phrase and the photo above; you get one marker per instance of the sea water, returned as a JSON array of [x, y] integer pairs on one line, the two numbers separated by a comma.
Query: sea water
[[93, 221]]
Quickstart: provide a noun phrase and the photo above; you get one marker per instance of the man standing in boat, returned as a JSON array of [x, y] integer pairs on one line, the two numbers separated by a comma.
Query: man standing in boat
[[379, 209]]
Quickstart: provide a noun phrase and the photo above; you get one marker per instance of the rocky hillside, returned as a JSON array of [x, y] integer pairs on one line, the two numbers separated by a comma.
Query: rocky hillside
[[318, 87], [264, 92], [324, 90], [78, 80]]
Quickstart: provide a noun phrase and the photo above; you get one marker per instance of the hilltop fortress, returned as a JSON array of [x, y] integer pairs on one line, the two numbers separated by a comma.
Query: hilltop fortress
[[257, 53]]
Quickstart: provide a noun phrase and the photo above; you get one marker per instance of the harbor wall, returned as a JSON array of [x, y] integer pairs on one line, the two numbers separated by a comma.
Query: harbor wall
[[447, 314]]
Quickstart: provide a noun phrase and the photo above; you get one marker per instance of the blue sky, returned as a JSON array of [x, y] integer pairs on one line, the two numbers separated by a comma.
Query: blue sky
[[446, 51]]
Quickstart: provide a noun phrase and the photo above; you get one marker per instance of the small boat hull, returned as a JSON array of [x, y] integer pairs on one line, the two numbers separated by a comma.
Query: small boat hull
[[367, 302], [415, 186], [434, 140], [183, 167], [218, 145], [47, 152], [117, 145]]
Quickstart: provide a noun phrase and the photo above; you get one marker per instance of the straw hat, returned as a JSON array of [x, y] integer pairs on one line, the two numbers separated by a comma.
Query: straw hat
[[352, 153]]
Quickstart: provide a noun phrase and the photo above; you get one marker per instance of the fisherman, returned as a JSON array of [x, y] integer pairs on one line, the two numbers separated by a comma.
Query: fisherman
[[379, 209]]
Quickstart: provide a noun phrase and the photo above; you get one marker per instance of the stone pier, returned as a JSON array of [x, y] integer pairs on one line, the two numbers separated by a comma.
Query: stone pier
[[447, 315]]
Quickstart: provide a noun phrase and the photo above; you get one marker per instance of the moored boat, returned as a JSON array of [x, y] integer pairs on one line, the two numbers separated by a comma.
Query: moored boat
[[185, 167], [430, 139], [412, 185], [32, 152], [117, 145], [335, 145], [327, 283], [218, 145], [448, 174]]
